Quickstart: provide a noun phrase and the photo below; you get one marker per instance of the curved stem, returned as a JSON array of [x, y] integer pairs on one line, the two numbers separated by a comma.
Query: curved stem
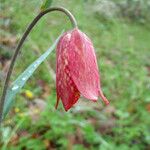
[[27, 31]]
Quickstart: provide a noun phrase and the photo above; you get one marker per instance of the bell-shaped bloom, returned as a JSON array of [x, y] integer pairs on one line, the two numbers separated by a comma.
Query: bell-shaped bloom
[[76, 69]]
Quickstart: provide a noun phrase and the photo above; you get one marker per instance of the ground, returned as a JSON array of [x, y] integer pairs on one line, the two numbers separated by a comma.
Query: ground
[[123, 53]]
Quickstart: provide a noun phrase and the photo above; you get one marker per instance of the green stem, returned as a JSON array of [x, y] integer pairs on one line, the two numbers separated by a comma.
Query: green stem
[[27, 31]]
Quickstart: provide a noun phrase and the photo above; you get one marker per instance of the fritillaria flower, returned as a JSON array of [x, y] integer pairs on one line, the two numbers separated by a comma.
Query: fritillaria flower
[[77, 70]]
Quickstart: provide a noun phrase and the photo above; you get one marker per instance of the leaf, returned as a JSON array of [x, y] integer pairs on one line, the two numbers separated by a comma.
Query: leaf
[[22, 79], [46, 4]]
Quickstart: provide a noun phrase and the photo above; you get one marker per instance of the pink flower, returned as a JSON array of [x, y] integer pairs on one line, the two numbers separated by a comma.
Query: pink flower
[[77, 70]]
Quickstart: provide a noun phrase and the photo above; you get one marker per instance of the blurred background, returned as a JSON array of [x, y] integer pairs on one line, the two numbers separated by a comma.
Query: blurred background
[[120, 31]]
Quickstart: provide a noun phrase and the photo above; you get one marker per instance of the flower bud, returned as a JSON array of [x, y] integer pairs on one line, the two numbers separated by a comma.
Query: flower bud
[[76, 69]]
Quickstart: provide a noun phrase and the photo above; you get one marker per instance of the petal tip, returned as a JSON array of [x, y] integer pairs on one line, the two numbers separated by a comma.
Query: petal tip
[[57, 102], [105, 100]]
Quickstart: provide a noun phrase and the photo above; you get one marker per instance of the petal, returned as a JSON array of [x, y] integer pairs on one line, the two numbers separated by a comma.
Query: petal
[[83, 65], [66, 89]]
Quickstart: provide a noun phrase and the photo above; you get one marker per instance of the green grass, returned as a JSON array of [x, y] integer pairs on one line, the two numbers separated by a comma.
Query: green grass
[[123, 52]]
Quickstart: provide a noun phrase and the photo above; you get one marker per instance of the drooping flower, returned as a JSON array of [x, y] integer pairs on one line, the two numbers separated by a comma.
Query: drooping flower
[[76, 69]]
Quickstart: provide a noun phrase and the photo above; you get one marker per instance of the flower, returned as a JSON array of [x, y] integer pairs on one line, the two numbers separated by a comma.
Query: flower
[[76, 69], [17, 110], [29, 94]]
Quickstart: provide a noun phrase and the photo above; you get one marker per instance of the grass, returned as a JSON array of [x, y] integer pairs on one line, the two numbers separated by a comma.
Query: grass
[[122, 49]]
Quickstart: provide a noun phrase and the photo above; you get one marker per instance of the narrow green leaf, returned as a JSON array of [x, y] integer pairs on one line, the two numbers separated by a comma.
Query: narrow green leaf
[[46, 4], [22, 79]]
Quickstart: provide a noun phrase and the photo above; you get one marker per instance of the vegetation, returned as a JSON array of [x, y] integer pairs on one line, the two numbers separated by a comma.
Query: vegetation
[[123, 51]]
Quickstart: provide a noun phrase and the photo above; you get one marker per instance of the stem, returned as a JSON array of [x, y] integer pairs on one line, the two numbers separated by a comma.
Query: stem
[[27, 31]]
